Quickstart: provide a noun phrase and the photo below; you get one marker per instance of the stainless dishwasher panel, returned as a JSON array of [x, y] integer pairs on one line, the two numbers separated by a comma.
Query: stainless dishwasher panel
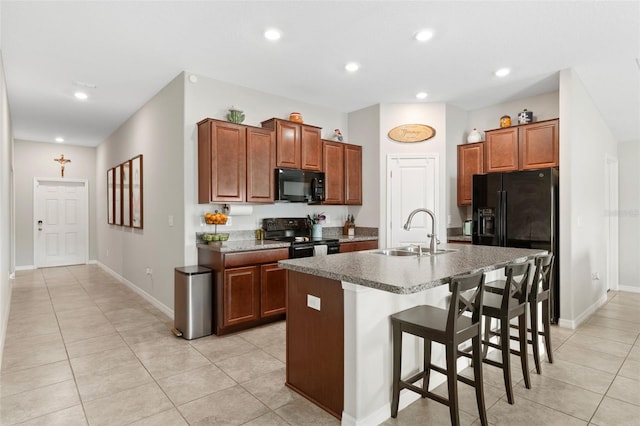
[[193, 301]]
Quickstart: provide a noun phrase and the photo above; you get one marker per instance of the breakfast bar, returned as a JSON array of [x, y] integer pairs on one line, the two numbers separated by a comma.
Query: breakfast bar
[[339, 344]]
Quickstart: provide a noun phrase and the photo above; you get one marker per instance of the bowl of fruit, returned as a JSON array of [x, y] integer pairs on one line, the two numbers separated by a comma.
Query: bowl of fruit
[[215, 219]]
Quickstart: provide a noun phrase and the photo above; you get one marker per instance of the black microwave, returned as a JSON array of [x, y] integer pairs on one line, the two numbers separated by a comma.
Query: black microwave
[[299, 186]]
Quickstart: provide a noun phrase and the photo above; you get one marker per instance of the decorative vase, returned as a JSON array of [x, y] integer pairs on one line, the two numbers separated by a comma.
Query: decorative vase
[[316, 231], [525, 117], [295, 117], [235, 116], [474, 136], [505, 121]]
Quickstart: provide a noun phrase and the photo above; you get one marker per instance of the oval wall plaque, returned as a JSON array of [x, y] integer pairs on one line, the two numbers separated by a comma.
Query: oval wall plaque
[[411, 133]]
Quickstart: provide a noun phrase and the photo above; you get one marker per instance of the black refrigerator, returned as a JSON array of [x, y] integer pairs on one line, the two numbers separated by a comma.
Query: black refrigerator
[[519, 209]]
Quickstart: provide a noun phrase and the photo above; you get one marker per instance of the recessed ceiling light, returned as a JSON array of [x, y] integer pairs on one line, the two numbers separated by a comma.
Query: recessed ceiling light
[[59, 139], [502, 72], [272, 34], [421, 95], [352, 66], [81, 96], [424, 35]]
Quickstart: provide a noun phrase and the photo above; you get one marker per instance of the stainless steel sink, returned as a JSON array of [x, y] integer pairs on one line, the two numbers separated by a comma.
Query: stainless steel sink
[[410, 251]]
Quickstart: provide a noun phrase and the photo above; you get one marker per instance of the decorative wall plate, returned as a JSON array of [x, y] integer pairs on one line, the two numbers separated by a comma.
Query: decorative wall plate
[[409, 133]]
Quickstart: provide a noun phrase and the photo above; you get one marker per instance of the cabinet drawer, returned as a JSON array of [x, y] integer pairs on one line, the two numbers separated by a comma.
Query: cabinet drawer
[[255, 257]]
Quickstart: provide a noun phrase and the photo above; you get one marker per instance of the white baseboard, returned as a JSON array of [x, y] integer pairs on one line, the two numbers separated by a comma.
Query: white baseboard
[[573, 324], [155, 302], [25, 267], [5, 319], [629, 288]]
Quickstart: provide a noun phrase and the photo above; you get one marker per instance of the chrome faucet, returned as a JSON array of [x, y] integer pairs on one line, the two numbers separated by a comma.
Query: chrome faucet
[[433, 245]]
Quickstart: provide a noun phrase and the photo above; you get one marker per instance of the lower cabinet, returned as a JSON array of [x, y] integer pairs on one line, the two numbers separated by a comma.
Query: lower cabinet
[[358, 246], [249, 287]]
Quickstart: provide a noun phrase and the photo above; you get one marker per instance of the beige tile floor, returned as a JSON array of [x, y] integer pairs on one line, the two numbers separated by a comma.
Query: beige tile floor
[[81, 348]]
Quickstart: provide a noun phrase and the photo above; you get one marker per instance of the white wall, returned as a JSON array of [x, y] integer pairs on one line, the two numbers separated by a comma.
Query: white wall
[[544, 107], [457, 133], [434, 115], [364, 128], [7, 264], [35, 159], [629, 215], [208, 98], [156, 132], [585, 142]]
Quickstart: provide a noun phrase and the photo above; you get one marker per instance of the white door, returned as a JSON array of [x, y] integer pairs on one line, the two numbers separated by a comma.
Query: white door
[[60, 222], [412, 183]]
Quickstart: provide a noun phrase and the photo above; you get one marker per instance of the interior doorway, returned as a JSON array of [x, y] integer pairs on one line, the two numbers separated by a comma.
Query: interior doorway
[[412, 183], [60, 222]]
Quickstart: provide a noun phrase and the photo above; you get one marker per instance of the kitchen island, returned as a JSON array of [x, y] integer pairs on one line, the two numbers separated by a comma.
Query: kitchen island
[[339, 345]]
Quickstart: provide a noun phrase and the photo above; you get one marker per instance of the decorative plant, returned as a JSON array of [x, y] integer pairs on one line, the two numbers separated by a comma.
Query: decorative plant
[[318, 218]]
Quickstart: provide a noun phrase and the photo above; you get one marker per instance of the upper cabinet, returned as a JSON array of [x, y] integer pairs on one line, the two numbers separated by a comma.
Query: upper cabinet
[[298, 146], [470, 162], [235, 163], [343, 173], [523, 147]]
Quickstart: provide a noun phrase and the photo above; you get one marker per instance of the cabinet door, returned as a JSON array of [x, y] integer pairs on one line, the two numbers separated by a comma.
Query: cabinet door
[[358, 246], [261, 160], [501, 150], [333, 166], [241, 295], [470, 160], [221, 162], [310, 148], [353, 174], [287, 145], [539, 145], [273, 290]]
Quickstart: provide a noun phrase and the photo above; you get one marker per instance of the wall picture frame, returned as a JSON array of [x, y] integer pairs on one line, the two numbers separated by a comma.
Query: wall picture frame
[[110, 197], [118, 194], [137, 211], [126, 193]]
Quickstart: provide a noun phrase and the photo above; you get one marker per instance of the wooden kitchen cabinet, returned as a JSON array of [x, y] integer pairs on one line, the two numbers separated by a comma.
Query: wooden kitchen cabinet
[[353, 174], [470, 162], [352, 246], [249, 287], [298, 146], [342, 165], [235, 163], [261, 161], [221, 162], [333, 155], [523, 147]]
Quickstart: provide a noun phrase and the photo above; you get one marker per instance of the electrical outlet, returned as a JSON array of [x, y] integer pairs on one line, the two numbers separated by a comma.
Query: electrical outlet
[[107, 252], [148, 271], [170, 220], [229, 221], [313, 302]]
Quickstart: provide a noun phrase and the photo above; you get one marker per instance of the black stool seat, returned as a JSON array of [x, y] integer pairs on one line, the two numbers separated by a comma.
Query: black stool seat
[[450, 327]]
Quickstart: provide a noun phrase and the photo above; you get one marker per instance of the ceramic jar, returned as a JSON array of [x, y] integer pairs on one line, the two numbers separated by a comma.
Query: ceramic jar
[[505, 121], [474, 136], [525, 117], [295, 117], [235, 116]]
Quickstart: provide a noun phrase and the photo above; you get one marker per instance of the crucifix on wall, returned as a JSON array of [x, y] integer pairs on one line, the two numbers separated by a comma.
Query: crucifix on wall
[[62, 162]]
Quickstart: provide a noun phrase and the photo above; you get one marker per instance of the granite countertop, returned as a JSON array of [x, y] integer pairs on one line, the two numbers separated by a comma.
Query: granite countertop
[[348, 239], [408, 274], [243, 245]]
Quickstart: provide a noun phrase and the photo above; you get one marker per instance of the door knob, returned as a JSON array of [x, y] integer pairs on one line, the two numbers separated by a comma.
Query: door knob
[[39, 225]]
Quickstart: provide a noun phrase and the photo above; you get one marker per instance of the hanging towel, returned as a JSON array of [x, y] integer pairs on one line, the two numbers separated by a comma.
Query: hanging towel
[[320, 250]]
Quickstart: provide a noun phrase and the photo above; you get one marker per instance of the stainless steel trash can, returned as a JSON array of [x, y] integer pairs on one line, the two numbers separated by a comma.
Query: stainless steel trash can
[[193, 302]]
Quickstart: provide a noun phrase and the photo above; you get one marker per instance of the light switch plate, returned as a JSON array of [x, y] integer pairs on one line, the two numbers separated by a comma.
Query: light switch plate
[[313, 302]]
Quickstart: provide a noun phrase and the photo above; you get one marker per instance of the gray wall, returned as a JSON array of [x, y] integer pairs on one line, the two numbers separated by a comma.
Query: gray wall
[[35, 160], [156, 132]]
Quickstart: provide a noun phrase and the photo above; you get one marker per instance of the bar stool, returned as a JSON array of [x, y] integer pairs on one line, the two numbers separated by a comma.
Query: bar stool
[[539, 293], [504, 307], [450, 328]]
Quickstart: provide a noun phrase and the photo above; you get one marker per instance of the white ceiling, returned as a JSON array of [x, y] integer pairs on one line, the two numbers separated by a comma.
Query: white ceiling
[[131, 49]]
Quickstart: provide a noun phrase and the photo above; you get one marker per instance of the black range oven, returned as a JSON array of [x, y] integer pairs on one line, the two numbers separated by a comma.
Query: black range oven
[[297, 231]]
